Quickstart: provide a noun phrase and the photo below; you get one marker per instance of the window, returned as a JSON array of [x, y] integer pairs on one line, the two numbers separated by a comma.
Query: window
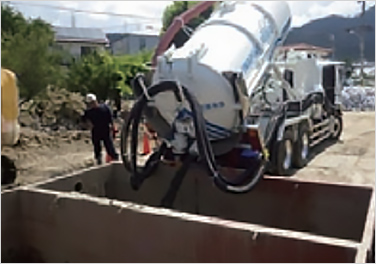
[[329, 82], [341, 76], [289, 77], [329, 76], [87, 50], [142, 43]]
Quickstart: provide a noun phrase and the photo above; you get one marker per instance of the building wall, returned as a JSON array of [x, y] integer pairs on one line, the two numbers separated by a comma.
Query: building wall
[[132, 44], [282, 54], [46, 226], [74, 49], [120, 47]]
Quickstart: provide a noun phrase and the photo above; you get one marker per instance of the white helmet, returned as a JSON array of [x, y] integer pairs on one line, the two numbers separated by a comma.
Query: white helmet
[[91, 98]]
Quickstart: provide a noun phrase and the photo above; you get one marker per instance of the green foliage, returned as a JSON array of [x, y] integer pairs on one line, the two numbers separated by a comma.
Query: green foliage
[[11, 22], [177, 8], [25, 49], [94, 73], [28, 50], [130, 65], [101, 73]]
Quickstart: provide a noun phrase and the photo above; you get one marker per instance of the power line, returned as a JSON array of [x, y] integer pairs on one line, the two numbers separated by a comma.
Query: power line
[[84, 11], [130, 24]]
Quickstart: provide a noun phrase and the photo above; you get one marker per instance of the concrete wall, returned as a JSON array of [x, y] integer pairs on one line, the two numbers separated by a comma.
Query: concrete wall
[[11, 226], [93, 181], [330, 210], [69, 227], [119, 47]]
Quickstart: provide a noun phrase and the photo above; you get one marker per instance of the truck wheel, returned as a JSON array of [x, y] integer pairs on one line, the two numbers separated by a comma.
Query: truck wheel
[[8, 171], [337, 127], [284, 155], [301, 147]]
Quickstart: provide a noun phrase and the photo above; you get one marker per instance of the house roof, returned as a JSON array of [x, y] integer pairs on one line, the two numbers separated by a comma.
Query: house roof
[[305, 47], [90, 35], [113, 37]]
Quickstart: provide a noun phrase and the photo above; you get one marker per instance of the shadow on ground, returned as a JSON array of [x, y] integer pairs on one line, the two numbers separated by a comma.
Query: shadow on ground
[[315, 151]]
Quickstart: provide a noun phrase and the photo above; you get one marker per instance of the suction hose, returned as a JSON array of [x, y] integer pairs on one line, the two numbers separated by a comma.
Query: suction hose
[[243, 182]]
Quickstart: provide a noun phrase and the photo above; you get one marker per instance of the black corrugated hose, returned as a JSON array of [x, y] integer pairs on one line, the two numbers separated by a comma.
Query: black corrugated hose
[[243, 183]]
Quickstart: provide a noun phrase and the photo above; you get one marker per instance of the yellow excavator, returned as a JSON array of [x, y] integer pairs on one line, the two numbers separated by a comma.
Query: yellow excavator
[[10, 129]]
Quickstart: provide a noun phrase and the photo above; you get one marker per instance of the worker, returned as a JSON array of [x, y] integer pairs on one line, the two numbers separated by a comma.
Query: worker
[[117, 100], [100, 118]]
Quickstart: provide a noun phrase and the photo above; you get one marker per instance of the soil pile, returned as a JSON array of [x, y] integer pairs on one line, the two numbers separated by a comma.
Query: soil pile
[[55, 110]]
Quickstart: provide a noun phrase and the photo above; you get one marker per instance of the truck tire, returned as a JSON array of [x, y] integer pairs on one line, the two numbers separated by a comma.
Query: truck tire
[[284, 155], [301, 147], [338, 126], [8, 170]]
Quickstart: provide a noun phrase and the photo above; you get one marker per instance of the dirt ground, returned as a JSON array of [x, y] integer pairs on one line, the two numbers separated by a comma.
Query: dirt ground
[[42, 155]]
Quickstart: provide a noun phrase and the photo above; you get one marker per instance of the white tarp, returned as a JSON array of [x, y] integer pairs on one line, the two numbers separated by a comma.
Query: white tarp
[[358, 98]]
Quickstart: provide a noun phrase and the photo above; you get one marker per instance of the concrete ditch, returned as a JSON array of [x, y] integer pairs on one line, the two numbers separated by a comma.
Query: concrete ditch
[[94, 216]]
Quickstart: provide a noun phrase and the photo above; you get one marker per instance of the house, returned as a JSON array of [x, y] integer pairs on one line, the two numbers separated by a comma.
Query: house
[[80, 41], [132, 43], [303, 48]]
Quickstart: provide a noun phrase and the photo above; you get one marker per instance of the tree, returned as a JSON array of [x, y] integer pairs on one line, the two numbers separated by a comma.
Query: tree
[[177, 8], [94, 73], [26, 50], [130, 65], [11, 21]]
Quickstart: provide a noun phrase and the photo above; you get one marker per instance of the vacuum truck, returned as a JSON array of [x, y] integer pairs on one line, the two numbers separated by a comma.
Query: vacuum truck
[[227, 101]]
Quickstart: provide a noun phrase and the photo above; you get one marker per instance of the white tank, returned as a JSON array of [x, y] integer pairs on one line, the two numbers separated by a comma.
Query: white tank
[[239, 37]]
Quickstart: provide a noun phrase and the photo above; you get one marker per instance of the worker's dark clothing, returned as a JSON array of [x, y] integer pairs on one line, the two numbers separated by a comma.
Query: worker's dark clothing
[[101, 118], [117, 100]]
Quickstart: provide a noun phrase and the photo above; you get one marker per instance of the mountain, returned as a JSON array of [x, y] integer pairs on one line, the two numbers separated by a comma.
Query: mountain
[[320, 33]]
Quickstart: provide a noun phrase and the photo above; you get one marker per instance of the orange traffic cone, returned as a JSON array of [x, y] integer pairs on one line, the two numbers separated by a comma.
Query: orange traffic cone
[[146, 145], [108, 158]]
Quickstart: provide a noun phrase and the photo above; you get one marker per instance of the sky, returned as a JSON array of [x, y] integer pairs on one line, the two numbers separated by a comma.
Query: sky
[[146, 15]]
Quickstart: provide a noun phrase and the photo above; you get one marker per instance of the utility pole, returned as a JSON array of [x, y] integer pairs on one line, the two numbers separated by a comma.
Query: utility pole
[[359, 32], [361, 43], [73, 19], [363, 3], [333, 40]]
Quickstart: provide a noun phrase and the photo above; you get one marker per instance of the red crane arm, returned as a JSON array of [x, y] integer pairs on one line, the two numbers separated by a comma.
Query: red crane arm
[[177, 24]]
